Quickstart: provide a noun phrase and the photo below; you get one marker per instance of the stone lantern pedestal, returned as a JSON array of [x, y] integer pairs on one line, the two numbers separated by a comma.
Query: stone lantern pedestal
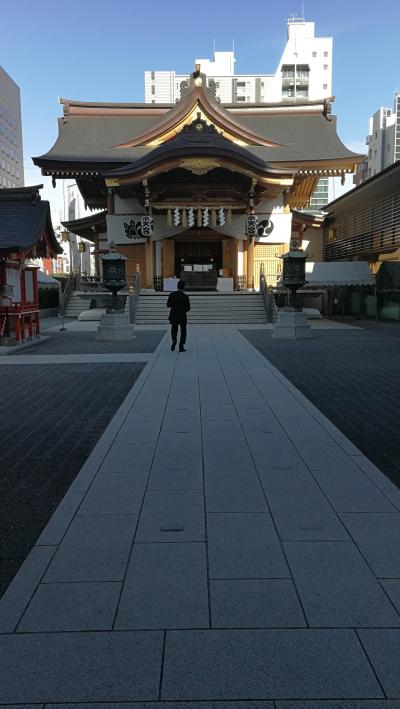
[[114, 324], [292, 323]]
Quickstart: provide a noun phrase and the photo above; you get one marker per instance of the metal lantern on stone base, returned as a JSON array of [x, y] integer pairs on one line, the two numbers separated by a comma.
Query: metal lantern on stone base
[[294, 274], [113, 275], [292, 323]]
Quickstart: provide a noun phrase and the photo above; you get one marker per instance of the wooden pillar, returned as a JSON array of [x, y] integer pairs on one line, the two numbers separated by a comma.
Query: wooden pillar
[[110, 201], [250, 262], [149, 264], [168, 258], [158, 259]]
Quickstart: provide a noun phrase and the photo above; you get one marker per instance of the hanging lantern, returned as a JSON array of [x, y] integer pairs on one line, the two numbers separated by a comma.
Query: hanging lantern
[[169, 218], [251, 225], [147, 224]]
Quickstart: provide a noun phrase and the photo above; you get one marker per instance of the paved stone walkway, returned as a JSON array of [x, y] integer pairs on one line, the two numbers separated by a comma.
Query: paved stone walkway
[[353, 377], [224, 546]]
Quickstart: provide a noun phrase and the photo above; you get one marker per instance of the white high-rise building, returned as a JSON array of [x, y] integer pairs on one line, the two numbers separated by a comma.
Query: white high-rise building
[[383, 139], [304, 71], [11, 156]]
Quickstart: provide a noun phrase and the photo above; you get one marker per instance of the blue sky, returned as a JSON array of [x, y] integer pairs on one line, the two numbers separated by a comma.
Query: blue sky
[[97, 50]]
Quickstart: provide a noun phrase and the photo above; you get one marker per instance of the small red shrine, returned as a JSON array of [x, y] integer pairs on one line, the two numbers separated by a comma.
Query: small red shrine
[[26, 232]]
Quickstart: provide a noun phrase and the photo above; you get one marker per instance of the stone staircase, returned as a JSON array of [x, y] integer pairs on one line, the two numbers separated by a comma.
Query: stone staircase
[[206, 308], [76, 305]]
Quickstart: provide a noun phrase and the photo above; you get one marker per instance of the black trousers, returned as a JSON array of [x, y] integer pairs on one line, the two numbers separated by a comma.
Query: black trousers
[[174, 332]]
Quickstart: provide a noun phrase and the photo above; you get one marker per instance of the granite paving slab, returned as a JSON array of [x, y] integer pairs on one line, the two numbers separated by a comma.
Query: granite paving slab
[[244, 546], [172, 516], [219, 456], [17, 596], [165, 587], [71, 606], [352, 491], [184, 443], [378, 538], [383, 649], [80, 667], [255, 603], [128, 458], [337, 588], [319, 455], [233, 491], [218, 412], [306, 429], [58, 524], [138, 432], [179, 472], [284, 471], [392, 588], [112, 494], [95, 548], [255, 664], [345, 393], [222, 431], [304, 514]]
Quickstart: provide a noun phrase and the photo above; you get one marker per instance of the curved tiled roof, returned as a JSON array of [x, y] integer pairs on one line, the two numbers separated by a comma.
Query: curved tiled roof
[[24, 219]]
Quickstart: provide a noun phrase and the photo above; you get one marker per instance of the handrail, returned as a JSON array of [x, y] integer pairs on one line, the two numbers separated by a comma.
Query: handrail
[[65, 294], [268, 298], [133, 297]]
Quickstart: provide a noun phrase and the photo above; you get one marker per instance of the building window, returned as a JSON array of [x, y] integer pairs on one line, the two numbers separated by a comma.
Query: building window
[[324, 86], [325, 66], [153, 89], [153, 75], [314, 54], [325, 54], [288, 71], [240, 98]]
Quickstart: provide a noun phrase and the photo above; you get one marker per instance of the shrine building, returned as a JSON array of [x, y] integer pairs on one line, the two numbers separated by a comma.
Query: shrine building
[[210, 192]]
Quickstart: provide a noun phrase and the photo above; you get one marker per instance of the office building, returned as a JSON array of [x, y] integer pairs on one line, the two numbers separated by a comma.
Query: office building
[[11, 155]]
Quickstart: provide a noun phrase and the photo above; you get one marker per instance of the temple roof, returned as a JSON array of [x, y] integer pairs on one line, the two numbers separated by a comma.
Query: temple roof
[[24, 219], [205, 143], [88, 227], [101, 136]]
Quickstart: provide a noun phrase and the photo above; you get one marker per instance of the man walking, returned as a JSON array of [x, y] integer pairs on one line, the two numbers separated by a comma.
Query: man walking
[[179, 304]]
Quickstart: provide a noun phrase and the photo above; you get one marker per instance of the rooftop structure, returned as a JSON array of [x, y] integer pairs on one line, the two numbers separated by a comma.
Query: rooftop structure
[[304, 71], [383, 140]]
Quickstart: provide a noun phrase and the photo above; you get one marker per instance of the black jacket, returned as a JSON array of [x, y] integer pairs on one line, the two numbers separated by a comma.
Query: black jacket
[[179, 304]]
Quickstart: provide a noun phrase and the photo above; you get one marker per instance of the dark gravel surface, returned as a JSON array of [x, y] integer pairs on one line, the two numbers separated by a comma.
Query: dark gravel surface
[[51, 417], [65, 343], [353, 377]]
